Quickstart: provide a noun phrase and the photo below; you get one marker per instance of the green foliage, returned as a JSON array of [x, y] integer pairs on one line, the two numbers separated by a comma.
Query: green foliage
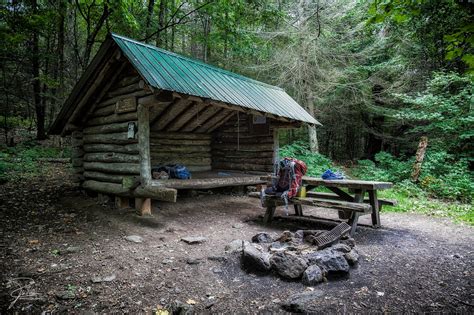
[[388, 168], [444, 112], [412, 199], [317, 163], [23, 161], [442, 176], [14, 122]]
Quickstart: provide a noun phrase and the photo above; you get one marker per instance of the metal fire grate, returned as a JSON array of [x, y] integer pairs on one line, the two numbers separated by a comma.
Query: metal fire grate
[[332, 236]]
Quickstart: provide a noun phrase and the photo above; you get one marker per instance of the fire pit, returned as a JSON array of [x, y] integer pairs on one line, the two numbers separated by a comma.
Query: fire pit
[[310, 255]]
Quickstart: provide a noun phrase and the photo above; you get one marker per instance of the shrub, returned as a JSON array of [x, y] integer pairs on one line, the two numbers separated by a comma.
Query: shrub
[[317, 163]]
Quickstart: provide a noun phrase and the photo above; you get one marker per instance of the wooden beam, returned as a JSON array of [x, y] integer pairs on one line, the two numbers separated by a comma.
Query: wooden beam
[[129, 148], [171, 113], [213, 120], [193, 111], [221, 122], [197, 121], [113, 168], [144, 143], [104, 90], [155, 192]]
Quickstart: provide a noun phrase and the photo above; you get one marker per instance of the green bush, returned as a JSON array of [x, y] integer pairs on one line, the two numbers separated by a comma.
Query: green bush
[[442, 176], [385, 168], [317, 163]]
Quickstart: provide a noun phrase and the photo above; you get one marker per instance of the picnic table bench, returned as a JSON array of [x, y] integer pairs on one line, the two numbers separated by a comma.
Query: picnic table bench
[[350, 204]]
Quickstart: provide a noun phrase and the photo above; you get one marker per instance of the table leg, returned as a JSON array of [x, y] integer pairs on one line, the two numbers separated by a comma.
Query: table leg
[[298, 210], [269, 214], [353, 222], [374, 202]]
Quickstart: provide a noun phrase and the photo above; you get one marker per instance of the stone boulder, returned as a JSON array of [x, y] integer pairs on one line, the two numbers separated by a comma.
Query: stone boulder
[[262, 237], [305, 302], [313, 275], [288, 265], [352, 257], [343, 248], [254, 259], [330, 260], [235, 246]]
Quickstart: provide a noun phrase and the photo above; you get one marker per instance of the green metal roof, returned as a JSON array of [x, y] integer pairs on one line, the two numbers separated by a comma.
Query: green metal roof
[[169, 71]]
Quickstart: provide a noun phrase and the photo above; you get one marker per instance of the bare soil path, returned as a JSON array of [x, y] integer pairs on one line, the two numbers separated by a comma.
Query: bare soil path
[[54, 241]]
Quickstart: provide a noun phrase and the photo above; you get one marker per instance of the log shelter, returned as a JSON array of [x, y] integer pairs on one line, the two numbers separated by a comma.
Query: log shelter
[[137, 106]]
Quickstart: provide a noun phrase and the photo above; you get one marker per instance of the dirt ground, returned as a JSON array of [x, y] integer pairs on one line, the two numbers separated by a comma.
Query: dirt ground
[[55, 240]]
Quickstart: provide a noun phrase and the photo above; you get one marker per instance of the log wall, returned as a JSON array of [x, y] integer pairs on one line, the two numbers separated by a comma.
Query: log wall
[[190, 149], [108, 153], [240, 145]]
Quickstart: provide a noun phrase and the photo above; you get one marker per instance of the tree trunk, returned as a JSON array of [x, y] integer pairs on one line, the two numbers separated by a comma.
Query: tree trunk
[[312, 133], [420, 155], [35, 68], [161, 24], [151, 5]]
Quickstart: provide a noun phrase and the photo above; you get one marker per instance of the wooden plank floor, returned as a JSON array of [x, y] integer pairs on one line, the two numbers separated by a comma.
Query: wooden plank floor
[[212, 179]]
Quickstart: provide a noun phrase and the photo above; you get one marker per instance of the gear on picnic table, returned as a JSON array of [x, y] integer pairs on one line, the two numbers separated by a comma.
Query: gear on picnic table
[[330, 175], [289, 173]]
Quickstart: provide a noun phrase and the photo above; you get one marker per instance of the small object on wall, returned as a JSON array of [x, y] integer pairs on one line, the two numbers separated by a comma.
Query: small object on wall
[[131, 130], [259, 120], [126, 105]]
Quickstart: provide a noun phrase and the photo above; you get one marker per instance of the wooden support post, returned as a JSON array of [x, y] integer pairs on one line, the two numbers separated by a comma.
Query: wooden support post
[[374, 202], [353, 222], [121, 202], [269, 214], [143, 206], [298, 209], [276, 147], [102, 198], [144, 144]]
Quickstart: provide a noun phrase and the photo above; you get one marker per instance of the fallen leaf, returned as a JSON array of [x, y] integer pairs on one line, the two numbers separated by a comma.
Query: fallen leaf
[[33, 242], [191, 302]]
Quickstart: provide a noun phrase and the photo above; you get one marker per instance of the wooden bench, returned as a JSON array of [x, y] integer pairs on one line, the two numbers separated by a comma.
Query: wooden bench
[[352, 209], [332, 196]]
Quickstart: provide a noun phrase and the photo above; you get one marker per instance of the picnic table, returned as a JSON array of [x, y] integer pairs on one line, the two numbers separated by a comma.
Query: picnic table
[[347, 197]]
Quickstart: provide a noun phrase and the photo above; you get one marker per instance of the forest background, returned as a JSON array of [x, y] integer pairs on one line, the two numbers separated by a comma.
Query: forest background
[[377, 74]]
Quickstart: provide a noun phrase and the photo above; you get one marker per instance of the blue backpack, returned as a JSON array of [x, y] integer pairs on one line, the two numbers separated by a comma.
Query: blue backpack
[[174, 171]]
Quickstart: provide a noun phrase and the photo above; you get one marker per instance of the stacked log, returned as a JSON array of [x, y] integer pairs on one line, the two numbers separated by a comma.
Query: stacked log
[[236, 146], [190, 149], [77, 153], [110, 153]]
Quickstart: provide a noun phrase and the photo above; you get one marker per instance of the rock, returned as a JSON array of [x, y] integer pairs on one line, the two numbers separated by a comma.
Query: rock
[[312, 275], [210, 304], [217, 258], [134, 238], [332, 261], [262, 237], [343, 248], [65, 295], [73, 249], [237, 225], [181, 308], [193, 261], [349, 242], [276, 246], [288, 265], [301, 302], [299, 234], [194, 239], [285, 236], [103, 279], [217, 270], [235, 246], [255, 259], [166, 261], [352, 257]]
